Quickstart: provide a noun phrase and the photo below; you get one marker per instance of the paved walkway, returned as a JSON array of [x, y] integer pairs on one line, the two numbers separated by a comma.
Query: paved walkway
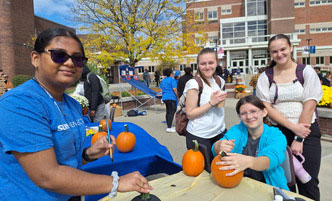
[[152, 123]]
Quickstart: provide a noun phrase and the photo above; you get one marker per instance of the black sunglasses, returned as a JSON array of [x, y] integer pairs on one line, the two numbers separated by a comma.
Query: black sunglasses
[[60, 57]]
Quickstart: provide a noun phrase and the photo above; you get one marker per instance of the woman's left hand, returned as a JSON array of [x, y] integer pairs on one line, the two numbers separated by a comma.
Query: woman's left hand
[[101, 147], [233, 161]]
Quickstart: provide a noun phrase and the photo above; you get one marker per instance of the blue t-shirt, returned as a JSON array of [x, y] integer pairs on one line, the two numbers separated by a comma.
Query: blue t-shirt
[[167, 85], [32, 122]]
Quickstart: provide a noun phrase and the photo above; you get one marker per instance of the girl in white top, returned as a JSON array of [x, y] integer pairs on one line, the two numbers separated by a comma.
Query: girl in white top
[[293, 110], [206, 121]]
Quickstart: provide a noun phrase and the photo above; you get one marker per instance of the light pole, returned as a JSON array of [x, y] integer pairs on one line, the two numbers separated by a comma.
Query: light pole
[[216, 43], [308, 40]]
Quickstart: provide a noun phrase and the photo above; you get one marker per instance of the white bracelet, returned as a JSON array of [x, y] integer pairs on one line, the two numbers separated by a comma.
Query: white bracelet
[[115, 184]]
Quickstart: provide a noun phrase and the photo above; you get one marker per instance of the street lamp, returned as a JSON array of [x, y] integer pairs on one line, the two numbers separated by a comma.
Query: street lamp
[[216, 43], [308, 40]]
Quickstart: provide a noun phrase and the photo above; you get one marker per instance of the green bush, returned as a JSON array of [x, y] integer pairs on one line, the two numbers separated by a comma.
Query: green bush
[[125, 94], [20, 79]]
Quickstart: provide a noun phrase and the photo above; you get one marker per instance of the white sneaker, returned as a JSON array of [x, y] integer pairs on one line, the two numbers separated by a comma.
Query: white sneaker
[[170, 130]]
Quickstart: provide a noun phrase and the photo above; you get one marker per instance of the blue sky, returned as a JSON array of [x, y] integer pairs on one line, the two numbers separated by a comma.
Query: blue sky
[[54, 10]]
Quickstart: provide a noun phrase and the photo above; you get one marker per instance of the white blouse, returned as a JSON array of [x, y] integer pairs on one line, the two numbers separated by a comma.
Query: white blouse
[[212, 122], [291, 96]]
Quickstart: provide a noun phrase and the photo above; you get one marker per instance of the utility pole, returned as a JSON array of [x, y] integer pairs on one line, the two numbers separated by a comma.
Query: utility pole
[[308, 40]]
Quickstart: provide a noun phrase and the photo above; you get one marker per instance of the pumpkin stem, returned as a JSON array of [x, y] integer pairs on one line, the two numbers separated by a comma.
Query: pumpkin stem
[[126, 126], [196, 145], [145, 196]]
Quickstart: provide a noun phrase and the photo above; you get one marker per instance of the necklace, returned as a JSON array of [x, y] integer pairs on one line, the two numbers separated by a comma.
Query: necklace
[[52, 98]]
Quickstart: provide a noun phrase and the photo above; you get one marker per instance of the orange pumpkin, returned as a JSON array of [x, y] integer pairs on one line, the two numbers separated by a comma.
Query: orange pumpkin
[[98, 135], [220, 175], [331, 105], [193, 161], [104, 126], [126, 141]]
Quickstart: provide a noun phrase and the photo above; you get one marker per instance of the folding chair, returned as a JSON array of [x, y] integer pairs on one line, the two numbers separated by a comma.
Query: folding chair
[[288, 167]]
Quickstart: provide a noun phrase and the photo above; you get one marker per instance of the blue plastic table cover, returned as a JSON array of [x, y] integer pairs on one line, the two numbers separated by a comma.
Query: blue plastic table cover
[[148, 156]]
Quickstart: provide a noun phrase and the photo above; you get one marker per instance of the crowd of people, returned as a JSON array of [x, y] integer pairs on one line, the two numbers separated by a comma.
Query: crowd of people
[[46, 162]]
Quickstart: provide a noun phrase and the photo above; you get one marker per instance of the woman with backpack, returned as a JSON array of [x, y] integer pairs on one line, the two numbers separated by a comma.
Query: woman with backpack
[[290, 93], [206, 120]]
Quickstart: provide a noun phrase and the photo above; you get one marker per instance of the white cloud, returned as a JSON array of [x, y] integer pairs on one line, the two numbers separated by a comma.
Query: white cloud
[[46, 8]]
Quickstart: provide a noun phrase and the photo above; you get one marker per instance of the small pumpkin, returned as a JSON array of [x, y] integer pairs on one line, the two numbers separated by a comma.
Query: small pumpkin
[[98, 135], [104, 125], [126, 141], [220, 175], [331, 105], [146, 197], [193, 161]]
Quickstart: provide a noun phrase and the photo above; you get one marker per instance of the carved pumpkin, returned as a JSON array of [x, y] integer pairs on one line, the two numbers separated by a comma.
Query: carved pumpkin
[[104, 126], [220, 175], [126, 141], [193, 161], [98, 135]]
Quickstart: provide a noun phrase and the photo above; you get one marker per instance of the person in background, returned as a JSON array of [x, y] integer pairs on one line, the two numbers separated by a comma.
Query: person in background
[[42, 155], [291, 107], [206, 120], [224, 73], [322, 79], [8, 83], [146, 77], [177, 75], [253, 146], [169, 97], [253, 81], [184, 79], [157, 77], [92, 91]]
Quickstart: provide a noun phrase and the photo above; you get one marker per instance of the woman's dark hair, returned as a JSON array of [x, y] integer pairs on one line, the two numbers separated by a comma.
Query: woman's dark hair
[[167, 72], [202, 52], [188, 70], [249, 99], [45, 37], [277, 37]]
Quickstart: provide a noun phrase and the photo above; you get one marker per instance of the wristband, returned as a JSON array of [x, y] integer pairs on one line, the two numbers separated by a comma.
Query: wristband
[[86, 157], [114, 190], [298, 139], [211, 104]]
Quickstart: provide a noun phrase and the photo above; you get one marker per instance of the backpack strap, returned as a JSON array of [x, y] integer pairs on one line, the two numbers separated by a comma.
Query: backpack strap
[[200, 88], [218, 81], [269, 74], [299, 73]]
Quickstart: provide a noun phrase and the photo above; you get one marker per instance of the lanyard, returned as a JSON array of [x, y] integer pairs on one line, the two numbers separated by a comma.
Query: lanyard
[[50, 96]]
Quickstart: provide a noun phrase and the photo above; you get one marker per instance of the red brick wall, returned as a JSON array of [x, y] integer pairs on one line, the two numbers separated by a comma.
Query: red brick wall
[[325, 125]]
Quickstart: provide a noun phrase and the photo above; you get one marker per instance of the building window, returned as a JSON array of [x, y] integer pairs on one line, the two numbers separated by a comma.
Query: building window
[[319, 60], [235, 32], [212, 40], [226, 11], [321, 2], [199, 16], [300, 4], [300, 31], [212, 15], [305, 60], [256, 7], [140, 70], [257, 30], [182, 66], [321, 30], [194, 67], [151, 69]]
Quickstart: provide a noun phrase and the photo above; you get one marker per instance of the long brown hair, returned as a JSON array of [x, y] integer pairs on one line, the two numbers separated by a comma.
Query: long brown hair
[[202, 52], [272, 63]]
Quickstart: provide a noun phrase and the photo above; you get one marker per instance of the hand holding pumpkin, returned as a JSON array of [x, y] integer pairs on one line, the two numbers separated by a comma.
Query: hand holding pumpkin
[[134, 182], [236, 162], [101, 147]]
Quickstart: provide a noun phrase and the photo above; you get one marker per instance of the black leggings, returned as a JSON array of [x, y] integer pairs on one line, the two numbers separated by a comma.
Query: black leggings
[[170, 111], [312, 153], [208, 144]]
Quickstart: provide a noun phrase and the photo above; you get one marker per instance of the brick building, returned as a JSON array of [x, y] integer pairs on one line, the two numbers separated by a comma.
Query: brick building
[[18, 25], [240, 29]]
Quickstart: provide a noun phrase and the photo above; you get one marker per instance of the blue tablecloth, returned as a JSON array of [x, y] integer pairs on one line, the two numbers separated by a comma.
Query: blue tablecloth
[[148, 157]]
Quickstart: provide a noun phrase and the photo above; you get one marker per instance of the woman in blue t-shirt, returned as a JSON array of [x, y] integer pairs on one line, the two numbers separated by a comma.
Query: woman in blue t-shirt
[[169, 96], [42, 131], [253, 146]]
